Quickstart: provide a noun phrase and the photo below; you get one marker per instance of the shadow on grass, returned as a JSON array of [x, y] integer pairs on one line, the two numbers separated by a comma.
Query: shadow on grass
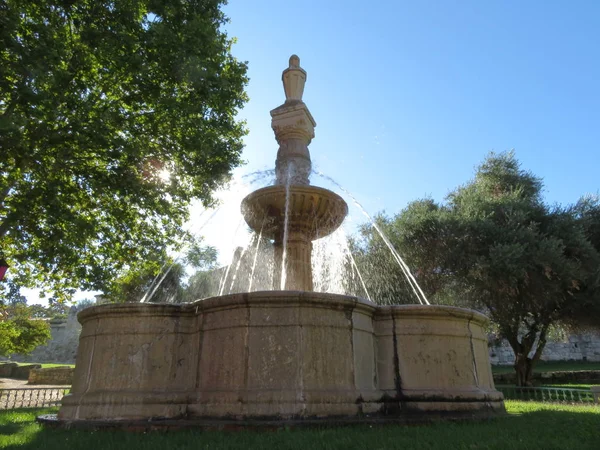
[[12, 428], [530, 426]]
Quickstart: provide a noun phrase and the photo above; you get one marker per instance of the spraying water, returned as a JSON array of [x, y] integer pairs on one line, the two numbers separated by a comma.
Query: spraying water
[[405, 269], [355, 267], [158, 279], [226, 274], [149, 297], [255, 258], [237, 268], [288, 183]]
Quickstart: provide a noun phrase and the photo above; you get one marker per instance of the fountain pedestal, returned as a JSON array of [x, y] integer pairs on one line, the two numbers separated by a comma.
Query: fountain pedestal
[[296, 256]]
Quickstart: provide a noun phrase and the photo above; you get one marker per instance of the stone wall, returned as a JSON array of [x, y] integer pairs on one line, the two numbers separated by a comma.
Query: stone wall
[[62, 347], [6, 369], [12, 370], [60, 376], [579, 347]]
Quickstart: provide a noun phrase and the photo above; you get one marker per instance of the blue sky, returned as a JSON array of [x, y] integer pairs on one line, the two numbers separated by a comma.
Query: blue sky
[[410, 96]]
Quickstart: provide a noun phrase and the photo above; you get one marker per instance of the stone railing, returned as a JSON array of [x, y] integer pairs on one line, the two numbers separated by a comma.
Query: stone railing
[[550, 394], [31, 397], [559, 377]]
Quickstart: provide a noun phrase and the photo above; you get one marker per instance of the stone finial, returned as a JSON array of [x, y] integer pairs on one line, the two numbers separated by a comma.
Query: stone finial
[[294, 128], [294, 62], [294, 78]]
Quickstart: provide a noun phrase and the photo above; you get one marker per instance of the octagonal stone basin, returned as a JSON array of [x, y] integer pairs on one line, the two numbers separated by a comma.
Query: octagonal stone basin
[[278, 354]]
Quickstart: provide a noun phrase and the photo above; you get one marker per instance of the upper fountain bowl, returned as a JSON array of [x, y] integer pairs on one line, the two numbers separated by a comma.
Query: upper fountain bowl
[[314, 211]]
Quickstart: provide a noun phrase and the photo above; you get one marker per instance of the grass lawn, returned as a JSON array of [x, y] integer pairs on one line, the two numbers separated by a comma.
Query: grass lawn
[[529, 426], [44, 365], [570, 385], [553, 366]]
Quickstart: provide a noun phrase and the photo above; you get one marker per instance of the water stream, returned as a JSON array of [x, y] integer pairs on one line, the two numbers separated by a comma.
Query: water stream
[[288, 182], [335, 267], [258, 241], [405, 269]]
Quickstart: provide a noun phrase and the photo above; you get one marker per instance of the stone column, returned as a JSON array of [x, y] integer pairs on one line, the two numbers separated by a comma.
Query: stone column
[[298, 265], [294, 128]]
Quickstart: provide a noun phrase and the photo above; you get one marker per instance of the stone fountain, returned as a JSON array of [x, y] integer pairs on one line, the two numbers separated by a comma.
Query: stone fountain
[[289, 354]]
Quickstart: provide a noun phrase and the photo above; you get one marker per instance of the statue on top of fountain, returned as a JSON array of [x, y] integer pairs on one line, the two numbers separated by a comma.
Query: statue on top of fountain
[[294, 128]]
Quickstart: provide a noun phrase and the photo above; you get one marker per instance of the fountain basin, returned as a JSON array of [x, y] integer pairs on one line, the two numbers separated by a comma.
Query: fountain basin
[[278, 355]]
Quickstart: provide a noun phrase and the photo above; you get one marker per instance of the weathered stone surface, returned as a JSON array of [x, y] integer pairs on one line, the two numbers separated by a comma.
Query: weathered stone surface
[[430, 357], [6, 369], [60, 376], [22, 372], [281, 354]]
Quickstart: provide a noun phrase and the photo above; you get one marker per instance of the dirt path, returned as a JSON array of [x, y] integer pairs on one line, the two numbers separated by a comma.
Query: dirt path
[[10, 383]]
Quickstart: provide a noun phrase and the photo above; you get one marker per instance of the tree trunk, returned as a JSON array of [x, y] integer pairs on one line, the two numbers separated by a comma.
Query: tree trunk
[[524, 370], [523, 363]]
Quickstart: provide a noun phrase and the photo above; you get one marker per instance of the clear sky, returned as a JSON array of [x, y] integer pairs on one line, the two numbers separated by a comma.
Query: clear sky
[[410, 96]]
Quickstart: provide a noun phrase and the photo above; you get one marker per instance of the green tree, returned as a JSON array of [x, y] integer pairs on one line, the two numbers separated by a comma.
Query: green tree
[[163, 279], [149, 283], [381, 277], [494, 245], [83, 304], [114, 115], [19, 332], [204, 283]]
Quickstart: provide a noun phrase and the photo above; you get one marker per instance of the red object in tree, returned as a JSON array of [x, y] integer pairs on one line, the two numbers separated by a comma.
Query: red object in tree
[[3, 267]]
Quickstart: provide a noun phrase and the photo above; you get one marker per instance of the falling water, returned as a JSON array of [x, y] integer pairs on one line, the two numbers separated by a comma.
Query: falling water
[[144, 299], [288, 182], [405, 269], [333, 261], [255, 258], [330, 264], [237, 268], [154, 285], [224, 278], [356, 269], [150, 292]]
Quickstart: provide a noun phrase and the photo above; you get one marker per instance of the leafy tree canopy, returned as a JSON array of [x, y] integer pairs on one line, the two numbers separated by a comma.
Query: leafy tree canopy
[[114, 115], [163, 279], [19, 331], [496, 246]]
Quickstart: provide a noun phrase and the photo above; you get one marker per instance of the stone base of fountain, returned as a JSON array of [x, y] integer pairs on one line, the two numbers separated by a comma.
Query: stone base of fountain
[[278, 355]]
